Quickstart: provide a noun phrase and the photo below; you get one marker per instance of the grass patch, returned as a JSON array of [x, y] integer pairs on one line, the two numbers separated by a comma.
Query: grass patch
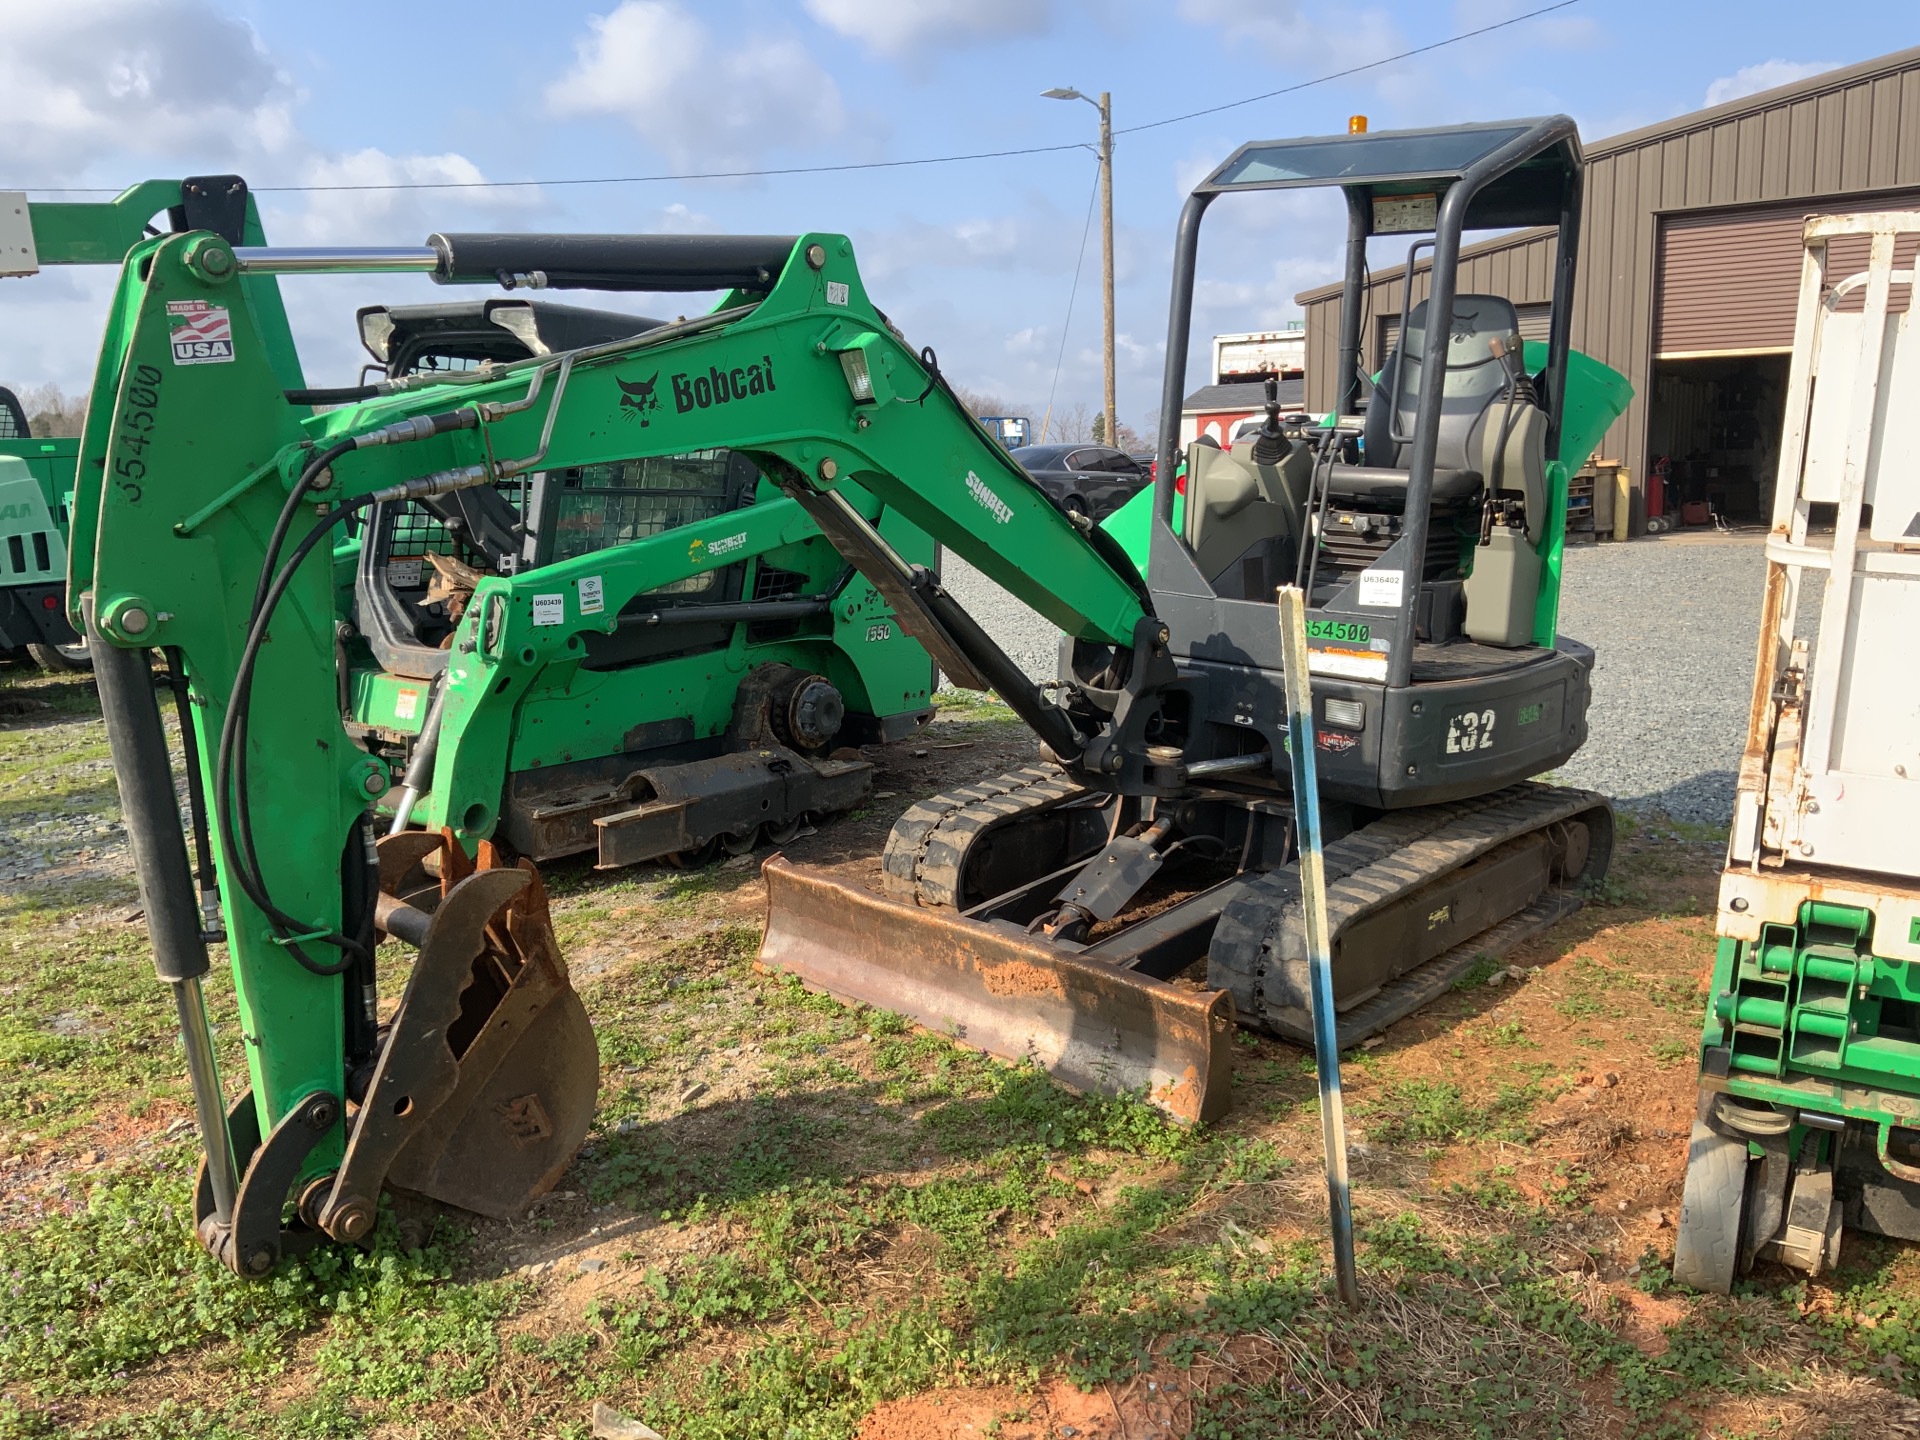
[[1437, 1112]]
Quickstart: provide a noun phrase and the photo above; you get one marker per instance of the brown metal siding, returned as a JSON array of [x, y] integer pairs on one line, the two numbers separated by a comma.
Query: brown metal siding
[[1730, 282], [1831, 142]]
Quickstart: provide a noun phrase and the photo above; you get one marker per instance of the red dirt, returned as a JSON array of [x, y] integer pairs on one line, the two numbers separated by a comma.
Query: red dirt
[[1148, 1407]]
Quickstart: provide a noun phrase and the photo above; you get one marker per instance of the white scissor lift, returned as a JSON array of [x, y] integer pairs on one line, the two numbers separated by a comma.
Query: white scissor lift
[[1809, 1114]]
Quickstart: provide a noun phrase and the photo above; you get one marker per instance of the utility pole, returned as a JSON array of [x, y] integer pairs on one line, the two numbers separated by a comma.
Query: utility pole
[[1106, 255], [1105, 106]]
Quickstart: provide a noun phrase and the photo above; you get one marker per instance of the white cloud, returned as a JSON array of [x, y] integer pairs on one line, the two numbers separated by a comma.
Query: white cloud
[[376, 216], [1752, 79], [1037, 239], [1031, 340], [700, 102], [1296, 34], [901, 29], [112, 89], [89, 78]]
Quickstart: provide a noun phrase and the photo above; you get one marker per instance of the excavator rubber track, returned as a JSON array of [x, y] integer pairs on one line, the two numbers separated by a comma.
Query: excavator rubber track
[[929, 847], [1418, 898], [1426, 861]]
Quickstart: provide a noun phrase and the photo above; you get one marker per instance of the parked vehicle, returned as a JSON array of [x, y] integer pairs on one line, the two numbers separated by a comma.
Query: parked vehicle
[[1091, 480]]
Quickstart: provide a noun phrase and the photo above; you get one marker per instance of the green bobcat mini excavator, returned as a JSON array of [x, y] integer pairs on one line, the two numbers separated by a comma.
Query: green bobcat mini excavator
[[1042, 914]]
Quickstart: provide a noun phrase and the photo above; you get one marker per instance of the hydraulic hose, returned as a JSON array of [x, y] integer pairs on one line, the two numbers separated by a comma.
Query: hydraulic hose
[[231, 791], [230, 770]]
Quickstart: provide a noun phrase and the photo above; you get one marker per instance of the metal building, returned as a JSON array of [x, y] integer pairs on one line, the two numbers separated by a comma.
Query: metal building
[[1689, 269]]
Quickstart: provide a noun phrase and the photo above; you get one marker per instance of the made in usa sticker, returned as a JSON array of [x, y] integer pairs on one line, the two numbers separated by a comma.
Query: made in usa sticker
[[201, 334]]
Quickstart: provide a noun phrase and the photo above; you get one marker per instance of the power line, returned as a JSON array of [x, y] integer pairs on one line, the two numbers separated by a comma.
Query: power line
[[1079, 261], [774, 172], [1352, 70]]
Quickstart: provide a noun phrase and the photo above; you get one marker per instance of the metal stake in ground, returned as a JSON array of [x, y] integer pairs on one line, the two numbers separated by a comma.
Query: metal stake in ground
[[1313, 904]]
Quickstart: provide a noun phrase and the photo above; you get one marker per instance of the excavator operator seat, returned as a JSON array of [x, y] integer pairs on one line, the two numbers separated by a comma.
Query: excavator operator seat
[[1477, 386], [1490, 451]]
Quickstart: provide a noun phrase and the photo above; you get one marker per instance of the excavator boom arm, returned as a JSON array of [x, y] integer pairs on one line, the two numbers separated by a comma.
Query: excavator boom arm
[[209, 507]]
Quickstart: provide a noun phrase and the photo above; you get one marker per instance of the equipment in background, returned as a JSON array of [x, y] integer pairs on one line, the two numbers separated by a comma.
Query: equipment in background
[[1808, 1121], [36, 472], [1042, 913], [648, 750], [1012, 431], [1260, 355], [36, 480]]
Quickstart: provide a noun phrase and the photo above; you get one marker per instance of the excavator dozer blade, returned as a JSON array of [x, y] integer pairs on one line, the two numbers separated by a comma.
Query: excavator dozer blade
[[1092, 1026]]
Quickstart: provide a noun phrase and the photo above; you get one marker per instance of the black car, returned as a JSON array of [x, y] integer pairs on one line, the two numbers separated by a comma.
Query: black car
[[1092, 480]]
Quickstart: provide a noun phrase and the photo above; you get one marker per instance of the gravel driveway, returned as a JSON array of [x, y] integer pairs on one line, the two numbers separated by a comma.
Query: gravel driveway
[[1674, 620]]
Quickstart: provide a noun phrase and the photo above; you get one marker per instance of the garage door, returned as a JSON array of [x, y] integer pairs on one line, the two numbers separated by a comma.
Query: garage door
[[1534, 320], [1729, 280]]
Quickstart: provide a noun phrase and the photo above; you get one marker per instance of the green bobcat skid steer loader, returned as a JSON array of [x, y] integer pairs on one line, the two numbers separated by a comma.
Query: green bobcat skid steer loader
[[740, 663]]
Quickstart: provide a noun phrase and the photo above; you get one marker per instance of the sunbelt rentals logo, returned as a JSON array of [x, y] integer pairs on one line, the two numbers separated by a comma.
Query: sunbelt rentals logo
[[700, 550], [983, 492]]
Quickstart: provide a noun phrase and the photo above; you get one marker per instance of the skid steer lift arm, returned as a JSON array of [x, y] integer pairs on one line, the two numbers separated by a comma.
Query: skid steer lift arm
[[210, 501]]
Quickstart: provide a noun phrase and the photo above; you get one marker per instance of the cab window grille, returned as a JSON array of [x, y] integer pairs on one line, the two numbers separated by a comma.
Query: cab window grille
[[417, 530], [773, 583], [617, 503]]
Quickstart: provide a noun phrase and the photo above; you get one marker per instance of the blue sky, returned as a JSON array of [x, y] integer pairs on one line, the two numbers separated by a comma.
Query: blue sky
[[974, 259]]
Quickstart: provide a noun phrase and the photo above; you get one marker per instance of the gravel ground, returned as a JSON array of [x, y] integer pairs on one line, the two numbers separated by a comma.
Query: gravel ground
[[1674, 620]]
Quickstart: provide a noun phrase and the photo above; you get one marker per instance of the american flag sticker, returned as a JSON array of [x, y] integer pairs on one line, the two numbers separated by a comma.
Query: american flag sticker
[[202, 334]]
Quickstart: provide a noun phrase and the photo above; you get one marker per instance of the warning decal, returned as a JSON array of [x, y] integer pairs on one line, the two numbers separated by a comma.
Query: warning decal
[[202, 334]]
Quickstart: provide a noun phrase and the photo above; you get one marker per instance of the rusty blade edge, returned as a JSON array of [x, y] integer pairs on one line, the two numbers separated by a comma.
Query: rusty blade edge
[[1090, 1025]]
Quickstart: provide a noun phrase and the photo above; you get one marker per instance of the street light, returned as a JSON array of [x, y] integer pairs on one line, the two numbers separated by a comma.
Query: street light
[[1105, 107]]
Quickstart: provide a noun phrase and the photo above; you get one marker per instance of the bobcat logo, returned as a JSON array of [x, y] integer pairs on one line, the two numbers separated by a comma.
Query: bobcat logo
[[637, 398]]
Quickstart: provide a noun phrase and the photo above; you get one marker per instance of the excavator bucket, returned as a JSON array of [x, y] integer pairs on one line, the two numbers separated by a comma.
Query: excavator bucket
[[486, 1085], [1092, 1026]]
